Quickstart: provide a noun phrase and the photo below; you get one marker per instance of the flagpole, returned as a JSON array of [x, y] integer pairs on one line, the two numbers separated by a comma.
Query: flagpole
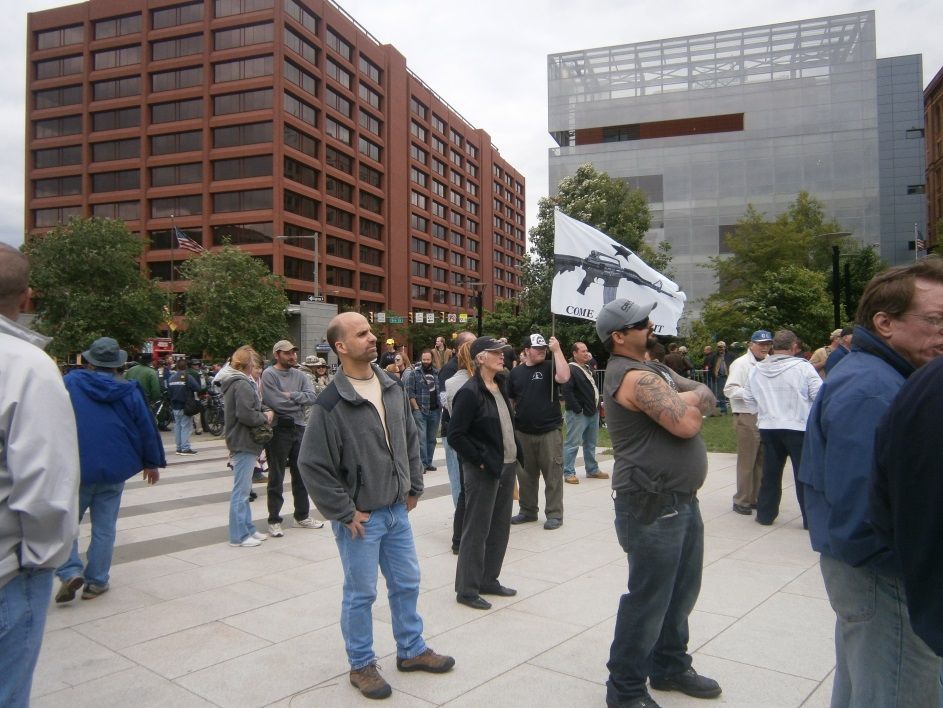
[[170, 299], [553, 363]]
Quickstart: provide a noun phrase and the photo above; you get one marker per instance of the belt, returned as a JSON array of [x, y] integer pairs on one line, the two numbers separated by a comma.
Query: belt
[[678, 498]]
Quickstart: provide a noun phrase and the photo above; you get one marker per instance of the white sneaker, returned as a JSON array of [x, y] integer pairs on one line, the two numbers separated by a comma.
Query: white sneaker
[[309, 523], [250, 542], [275, 530], [259, 536]]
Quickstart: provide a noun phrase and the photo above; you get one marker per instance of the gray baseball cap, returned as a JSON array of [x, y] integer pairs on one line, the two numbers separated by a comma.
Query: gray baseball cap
[[621, 313]]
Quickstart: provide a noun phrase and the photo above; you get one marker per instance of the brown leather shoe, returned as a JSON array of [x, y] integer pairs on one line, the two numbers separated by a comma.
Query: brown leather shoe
[[369, 682], [427, 661], [598, 475]]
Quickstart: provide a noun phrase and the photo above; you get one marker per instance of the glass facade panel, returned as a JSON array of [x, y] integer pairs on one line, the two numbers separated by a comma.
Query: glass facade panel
[[807, 93]]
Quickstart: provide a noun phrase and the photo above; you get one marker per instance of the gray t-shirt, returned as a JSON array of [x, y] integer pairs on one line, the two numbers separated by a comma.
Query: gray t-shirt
[[648, 457], [507, 428]]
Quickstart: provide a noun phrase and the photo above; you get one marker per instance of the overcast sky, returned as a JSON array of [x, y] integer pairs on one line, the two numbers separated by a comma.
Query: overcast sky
[[488, 58]]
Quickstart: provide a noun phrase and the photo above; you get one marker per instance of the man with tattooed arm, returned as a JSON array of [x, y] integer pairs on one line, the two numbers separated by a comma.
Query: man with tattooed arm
[[654, 418]]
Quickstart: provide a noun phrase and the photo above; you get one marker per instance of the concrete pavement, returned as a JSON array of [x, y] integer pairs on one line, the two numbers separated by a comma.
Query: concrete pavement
[[190, 621]]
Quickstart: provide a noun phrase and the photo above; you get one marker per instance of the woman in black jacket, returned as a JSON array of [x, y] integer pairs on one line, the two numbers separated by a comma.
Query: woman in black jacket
[[482, 433]]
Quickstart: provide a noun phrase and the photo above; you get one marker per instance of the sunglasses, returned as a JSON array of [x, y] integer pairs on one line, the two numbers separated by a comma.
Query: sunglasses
[[644, 324]]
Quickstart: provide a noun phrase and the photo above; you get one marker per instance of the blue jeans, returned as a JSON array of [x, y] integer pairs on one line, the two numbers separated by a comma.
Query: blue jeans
[[104, 501], [665, 560], [240, 516], [388, 543], [183, 428], [454, 469], [879, 661], [580, 430], [23, 605], [427, 423], [719, 384]]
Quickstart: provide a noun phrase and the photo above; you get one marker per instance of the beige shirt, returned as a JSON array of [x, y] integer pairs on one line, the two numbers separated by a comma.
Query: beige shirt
[[507, 428], [371, 391]]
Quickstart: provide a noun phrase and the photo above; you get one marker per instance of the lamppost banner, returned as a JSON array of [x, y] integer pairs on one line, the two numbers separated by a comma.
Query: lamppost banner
[[592, 269]]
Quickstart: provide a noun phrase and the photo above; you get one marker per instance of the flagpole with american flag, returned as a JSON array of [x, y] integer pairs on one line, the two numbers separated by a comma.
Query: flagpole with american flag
[[919, 243], [170, 295]]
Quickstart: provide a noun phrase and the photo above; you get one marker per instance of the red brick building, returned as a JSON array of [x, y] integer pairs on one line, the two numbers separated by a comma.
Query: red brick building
[[933, 122], [265, 122]]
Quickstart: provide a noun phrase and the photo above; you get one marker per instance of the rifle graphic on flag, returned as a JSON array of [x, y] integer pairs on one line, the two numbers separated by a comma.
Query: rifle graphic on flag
[[585, 258]]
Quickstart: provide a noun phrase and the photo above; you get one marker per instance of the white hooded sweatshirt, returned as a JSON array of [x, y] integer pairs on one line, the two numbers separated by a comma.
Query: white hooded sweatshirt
[[783, 388]]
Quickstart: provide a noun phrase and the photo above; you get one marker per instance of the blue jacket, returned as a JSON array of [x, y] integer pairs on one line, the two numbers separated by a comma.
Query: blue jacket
[[117, 432], [838, 452], [182, 386]]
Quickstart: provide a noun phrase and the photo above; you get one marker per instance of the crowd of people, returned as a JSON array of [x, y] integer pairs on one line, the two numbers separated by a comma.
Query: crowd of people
[[359, 444]]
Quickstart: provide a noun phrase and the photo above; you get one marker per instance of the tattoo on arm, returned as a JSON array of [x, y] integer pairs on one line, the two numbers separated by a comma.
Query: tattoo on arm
[[656, 399], [705, 399]]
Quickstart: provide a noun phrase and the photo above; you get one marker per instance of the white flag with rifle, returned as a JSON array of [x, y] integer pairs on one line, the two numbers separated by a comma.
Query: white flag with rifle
[[591, 269]]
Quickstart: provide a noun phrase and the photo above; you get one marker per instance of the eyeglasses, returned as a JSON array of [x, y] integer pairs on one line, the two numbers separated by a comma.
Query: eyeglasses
[[644, 324], [935, 321]]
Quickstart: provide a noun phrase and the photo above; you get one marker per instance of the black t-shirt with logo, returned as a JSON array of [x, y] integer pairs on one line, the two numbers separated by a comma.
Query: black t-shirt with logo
[[431, 377], [537, 398]]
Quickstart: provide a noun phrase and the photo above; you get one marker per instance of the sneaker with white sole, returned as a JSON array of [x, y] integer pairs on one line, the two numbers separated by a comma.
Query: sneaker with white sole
[[259, 536], [309, 523], [250, 542], [275, 530], [91, 591]]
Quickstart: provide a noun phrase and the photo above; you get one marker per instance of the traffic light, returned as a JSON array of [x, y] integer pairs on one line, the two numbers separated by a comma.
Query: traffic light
[[410, 317], [370, 315]]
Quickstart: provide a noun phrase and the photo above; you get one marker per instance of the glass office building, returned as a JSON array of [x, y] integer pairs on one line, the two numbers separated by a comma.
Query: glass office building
[[708, 124]]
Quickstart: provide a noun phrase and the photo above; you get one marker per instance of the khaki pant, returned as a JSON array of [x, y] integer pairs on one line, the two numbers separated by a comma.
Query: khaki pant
[[749, 459], [543, 455]]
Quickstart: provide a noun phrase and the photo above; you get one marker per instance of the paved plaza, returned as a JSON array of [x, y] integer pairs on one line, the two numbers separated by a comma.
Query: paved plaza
[[190, 621]]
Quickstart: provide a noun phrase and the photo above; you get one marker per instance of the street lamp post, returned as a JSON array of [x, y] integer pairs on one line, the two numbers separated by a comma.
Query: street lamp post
[[836, 275], [481, 305], [316, 236]]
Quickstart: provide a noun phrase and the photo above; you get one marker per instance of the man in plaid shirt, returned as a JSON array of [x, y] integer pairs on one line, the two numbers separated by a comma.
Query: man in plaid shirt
[[422, 387]]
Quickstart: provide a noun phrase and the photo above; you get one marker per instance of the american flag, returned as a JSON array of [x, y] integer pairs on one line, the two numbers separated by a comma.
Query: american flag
[[187, 243]]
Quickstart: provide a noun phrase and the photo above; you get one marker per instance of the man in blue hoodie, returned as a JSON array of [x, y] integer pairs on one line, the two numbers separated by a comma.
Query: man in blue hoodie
[[879, 659], [118, 438]]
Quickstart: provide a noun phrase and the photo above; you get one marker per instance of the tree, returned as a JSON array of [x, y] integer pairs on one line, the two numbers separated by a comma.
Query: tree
[[609, 205], [758, 246], [793, 298], [232, 300], [507, 321], [778, 273], [87, 284]]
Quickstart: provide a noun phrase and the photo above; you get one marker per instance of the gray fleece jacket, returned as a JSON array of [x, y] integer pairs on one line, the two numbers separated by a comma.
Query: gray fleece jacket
[[345, 460], [243, 410]]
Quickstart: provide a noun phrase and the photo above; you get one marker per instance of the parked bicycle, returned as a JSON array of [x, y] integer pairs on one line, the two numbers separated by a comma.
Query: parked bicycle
[[163, 412], [213, 414]]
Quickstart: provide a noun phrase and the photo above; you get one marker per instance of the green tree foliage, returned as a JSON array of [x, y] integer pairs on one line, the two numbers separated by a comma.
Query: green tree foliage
[[609, 205], [792, 298], [87, 283], [232, 300], [759, 246], [507, 321], [778, 274]]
